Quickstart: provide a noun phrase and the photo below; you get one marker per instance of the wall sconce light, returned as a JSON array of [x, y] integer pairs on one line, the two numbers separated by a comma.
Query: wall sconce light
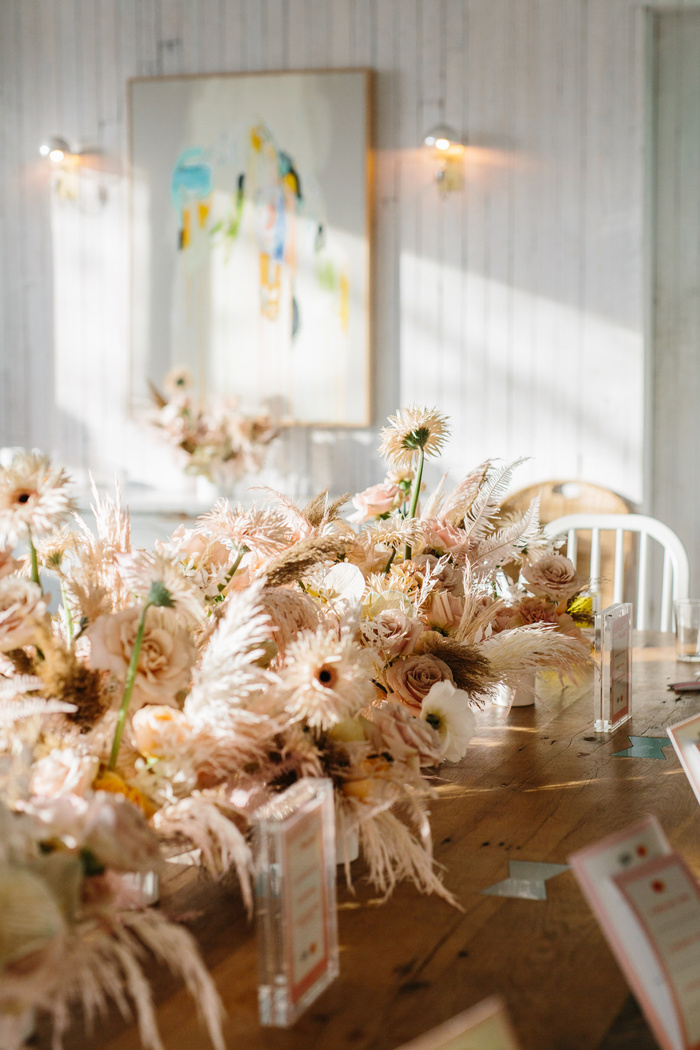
[[56, 149], [448, 153]]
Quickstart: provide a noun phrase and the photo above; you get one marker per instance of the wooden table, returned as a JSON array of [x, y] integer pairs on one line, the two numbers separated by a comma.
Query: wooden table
[[536, 784]]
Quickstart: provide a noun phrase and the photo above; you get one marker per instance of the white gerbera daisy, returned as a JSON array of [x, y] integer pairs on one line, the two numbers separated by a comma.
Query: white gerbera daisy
[[143, 571], [264, 531], [326, 679], [410, 430], [33, 497]]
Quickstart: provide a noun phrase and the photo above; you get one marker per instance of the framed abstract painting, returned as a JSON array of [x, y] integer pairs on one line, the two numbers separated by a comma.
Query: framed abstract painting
[[250, 240]]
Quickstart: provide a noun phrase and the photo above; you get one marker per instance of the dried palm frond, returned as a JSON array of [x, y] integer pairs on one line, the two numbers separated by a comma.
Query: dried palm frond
[[476, 617], [534, 647], [300, 559], [201, 821], [393, 532], [102, 963], [471, 670], [393, 854]]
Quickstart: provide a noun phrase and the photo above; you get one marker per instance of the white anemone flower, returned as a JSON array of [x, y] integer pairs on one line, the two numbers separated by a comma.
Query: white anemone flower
[[447, 710]]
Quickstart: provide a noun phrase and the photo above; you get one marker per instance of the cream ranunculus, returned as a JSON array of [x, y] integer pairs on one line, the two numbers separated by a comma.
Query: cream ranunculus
[[21, 606], [63, 772], [553, 576], [161, 731], [166, 657], [447, 710], [377, 499], [411, 680]]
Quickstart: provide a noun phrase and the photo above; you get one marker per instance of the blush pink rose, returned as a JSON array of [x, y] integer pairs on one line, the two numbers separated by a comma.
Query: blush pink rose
[[411, 680], [392, 633], [555, 577], [21, 606], [440, 536], [377, 499], [63, 772]]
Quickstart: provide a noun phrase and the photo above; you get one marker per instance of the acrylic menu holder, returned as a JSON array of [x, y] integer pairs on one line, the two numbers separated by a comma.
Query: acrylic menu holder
[[485, 1026], [612, 687], [685, 737], [295, 869], [648, 906]]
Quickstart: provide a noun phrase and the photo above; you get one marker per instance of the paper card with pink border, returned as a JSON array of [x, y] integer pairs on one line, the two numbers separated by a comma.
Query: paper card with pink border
[[597, 868], [664, 896], [485, 1026], [685, 737]]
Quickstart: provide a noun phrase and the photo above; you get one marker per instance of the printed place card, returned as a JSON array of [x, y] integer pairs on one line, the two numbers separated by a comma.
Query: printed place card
[[685, 737], [623, 878], [483, 1027], [612, 693], [664, 896], [295, 866]]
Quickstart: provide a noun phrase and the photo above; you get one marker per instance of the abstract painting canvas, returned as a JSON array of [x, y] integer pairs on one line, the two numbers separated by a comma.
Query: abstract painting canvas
[[250, 240]]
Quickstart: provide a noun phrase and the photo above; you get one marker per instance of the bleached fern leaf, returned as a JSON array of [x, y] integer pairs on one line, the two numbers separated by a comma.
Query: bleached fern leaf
[[488, 500], [506, 544], [15, 710]]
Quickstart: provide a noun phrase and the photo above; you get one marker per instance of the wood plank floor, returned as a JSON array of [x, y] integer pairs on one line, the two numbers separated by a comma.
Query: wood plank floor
[[536, 784]]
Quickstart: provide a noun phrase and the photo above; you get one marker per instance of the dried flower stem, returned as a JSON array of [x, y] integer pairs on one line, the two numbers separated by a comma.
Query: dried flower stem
[[391, 558], [415, 493], [128, 687], [239, 558]]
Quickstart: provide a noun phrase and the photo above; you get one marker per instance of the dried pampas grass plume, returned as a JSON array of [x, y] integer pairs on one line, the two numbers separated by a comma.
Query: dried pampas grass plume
[[300, 559]]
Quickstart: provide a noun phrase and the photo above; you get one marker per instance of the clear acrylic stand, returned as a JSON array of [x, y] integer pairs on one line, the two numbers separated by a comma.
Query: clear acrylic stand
[[612, 692], [295, 869]]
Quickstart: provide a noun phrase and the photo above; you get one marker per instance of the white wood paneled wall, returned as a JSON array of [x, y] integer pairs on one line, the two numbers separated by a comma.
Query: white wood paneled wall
[[515, 305]]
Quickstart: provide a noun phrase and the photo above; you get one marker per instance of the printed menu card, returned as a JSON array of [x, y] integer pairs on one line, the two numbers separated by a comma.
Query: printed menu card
[[685, 737], [648, 904], [483, 1027]]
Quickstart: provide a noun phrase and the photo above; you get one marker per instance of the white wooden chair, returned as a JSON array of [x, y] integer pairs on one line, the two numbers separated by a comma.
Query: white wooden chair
[[675, 575]]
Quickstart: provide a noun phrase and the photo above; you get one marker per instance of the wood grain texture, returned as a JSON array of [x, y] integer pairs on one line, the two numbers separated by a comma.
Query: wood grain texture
[[536, 784], [517, 304]]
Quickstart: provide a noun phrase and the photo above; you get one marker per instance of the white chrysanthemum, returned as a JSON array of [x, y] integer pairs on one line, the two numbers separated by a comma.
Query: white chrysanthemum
[[264, 531], [326, 679], [394, 532], [411, 429], [447, 710], [142, 570], [34, 497]]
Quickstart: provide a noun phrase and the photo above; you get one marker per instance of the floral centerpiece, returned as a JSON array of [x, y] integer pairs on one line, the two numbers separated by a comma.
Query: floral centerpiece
[[217, 441], [266, 644]]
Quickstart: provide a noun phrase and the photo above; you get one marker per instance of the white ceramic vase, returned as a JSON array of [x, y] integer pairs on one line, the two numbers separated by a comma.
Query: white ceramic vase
[[522, 695]]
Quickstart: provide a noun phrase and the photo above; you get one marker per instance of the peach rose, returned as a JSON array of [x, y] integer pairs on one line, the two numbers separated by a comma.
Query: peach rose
[[393, 728], [63, 772], [21, 605], [445, 611], [440, 536], [161, 731], [166, 657], [377, 499], [553, 576], [411, 680]]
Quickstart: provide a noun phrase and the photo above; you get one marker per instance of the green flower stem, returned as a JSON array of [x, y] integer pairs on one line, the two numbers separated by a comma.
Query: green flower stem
[[128, 687], [66, 609], [391, 558], [35, 560], [415, 494], [237, 562]]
